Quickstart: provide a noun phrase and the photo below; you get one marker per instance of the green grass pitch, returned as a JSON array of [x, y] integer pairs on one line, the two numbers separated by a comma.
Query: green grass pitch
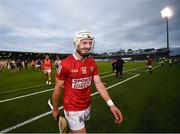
[[149, 103]]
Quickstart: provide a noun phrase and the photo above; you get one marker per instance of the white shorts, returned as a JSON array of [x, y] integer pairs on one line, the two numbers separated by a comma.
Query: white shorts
[[37, 66], [76, 119], [47, 71], [149, 66]]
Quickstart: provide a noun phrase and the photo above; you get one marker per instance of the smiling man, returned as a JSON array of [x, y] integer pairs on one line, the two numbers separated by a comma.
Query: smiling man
[[76, 73]]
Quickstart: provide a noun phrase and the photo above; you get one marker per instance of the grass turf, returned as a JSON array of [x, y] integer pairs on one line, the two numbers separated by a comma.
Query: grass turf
[[149, 103]]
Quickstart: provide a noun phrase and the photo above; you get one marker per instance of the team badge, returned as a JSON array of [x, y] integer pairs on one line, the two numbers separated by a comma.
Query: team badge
[[83, 69], [81, 119], [91, 69]]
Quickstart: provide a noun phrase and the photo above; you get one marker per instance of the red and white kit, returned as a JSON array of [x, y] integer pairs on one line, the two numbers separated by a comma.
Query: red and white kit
[[78, 76], [149, 63]]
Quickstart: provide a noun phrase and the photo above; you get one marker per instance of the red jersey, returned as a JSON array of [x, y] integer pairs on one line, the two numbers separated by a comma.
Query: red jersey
[[149, 61], [47, 64], [78, 76]]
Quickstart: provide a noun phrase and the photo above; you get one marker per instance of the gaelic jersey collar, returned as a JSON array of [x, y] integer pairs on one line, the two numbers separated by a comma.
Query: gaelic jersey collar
[[77, 59]]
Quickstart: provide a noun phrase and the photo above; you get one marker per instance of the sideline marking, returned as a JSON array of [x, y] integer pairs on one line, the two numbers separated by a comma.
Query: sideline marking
[[117, 83], [47, 113], [12, 91], [31, 94], [123, 71], [35, 86], [153, 68], [23, 96]]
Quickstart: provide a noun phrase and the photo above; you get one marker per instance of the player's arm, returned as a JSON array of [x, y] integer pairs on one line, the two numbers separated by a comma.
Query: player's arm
[[101, 88], [104, 94], [55, 97]]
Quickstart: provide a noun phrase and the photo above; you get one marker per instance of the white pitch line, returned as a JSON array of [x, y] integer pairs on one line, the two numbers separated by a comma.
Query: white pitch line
[[36, 86], [117, 83], [156, 66], [142, 71], [45, 84], [123, 71], [134, 69], [153, 68], [105, 72], [47, 113], [27, 95]]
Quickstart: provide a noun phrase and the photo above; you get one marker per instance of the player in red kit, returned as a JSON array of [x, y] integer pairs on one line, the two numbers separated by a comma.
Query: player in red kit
[[76, 73], [149, 64]]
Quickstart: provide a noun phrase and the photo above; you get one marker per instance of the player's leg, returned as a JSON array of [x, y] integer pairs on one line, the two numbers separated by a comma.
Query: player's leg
[[150, 69], [83, 130], [49, 77], [121, 73], [113, 68], [117, 71], [47, 82], [46, 76]]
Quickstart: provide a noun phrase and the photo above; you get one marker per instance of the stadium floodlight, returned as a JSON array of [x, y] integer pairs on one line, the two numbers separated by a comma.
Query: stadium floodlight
[[166, 13]]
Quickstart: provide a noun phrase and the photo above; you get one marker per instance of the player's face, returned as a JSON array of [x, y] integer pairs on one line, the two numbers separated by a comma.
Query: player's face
[[85, 46], [47, 57]]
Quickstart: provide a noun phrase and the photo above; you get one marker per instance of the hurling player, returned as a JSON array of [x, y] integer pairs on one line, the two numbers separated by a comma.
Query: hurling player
[[47, 66], [149, 64], [76, 73]]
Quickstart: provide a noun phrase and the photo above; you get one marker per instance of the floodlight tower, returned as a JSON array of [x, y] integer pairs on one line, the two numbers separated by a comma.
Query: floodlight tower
[[166, 13]]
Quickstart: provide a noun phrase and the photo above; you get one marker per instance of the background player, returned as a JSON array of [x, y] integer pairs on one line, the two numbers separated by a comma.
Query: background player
[[149, 64], [57, 63], [47, 66]]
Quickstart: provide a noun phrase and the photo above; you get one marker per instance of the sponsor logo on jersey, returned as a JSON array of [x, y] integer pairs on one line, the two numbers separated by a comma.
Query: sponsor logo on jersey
[[81, 83], [74, 70]]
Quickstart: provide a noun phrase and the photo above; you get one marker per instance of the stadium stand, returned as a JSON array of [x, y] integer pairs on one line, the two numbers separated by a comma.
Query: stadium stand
[[29, 55], [132, 55]]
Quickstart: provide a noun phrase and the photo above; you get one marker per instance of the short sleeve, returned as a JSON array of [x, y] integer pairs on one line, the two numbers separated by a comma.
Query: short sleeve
[[62, 71]]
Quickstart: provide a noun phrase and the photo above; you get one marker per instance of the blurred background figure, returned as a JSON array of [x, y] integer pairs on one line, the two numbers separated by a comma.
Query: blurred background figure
[[149, 64], [19, 64], [57, 63], [119, 67], [13, 66], [26, 64], [47, 66], [33, 64], [170, 62], [38, 64], [113, 65]]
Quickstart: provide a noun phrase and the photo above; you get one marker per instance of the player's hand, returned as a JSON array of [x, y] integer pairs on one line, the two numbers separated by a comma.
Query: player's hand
[[117, 114], [55, 114]]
